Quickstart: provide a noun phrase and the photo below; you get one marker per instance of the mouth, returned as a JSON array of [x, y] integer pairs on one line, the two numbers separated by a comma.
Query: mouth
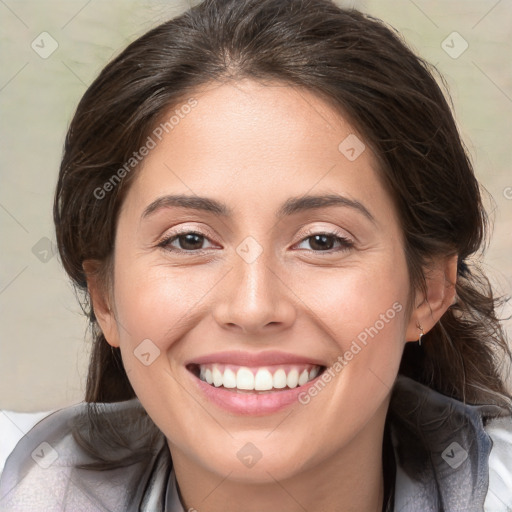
[[256, 380]]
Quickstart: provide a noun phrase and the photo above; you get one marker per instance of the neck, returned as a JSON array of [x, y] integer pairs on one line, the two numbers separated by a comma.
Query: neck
[[347, 480]]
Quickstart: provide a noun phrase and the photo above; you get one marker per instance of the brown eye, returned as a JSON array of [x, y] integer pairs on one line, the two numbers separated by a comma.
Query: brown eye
[[187, 242], [322, 242]]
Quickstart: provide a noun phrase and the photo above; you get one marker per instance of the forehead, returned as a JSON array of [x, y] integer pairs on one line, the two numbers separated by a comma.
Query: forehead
[[250, 119], [252, 141]]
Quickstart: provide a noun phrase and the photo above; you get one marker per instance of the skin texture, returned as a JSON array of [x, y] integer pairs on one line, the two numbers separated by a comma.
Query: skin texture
[[252, 147]]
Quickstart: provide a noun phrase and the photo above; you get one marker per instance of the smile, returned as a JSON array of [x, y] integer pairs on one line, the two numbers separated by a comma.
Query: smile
[[253, 383], [267, 379]]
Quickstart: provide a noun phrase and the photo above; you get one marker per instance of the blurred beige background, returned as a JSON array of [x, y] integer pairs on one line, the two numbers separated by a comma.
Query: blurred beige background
[[43, 341]]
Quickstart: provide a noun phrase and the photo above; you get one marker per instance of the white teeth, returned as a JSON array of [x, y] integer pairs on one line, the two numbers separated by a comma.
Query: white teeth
[[244, 379], [280, 379], [217, 377], [293, 378], [262, 380], [229, 380], [304, 377]]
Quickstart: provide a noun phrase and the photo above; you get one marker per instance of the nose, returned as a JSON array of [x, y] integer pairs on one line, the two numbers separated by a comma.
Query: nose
[[254, 298]]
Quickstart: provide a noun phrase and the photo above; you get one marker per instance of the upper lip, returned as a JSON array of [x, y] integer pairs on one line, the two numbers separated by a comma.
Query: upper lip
[[266, 358]]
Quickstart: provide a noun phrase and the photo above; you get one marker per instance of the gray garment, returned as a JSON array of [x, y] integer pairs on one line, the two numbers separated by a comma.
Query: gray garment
[[441, 449]]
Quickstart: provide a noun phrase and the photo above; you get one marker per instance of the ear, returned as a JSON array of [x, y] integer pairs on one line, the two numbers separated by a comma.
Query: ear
[[429, 307], [102, 302]]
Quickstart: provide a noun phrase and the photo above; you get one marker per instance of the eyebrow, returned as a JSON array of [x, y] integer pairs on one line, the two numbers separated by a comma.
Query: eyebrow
[[289, 207]]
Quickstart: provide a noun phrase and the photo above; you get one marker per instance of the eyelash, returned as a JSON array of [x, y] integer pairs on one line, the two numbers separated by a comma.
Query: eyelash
[[345, 242]]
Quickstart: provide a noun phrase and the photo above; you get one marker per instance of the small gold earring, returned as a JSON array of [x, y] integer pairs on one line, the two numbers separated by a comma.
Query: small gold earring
[[421, 335]]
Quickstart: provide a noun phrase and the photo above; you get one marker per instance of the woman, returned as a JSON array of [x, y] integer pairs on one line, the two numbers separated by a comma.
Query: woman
[[271, 214]]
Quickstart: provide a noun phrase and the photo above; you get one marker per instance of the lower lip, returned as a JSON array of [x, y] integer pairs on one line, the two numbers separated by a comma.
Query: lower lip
[[251, 404]]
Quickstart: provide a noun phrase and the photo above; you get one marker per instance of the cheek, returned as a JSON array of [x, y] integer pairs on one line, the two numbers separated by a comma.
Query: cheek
[[349, 302], [156, 307], [362, 311], [158, 303]]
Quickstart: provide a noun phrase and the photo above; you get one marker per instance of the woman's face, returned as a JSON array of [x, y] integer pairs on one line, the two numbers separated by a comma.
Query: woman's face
[[264, 275]]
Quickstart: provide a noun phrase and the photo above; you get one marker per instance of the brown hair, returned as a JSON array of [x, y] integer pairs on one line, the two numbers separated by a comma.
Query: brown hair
[[361, 67]]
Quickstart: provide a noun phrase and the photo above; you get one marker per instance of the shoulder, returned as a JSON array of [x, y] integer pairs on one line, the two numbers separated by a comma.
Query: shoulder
[[39, 465], [449, 454], [499, 493], [13, 426], [84, 457]]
